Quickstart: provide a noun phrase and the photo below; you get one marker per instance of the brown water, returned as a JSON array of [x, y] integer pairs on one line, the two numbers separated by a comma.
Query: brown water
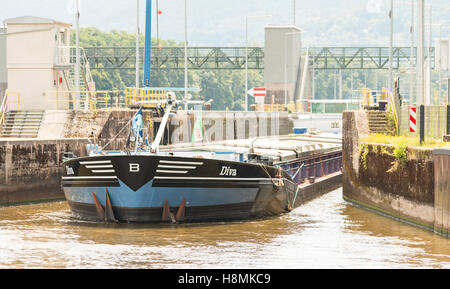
[[325, 233]]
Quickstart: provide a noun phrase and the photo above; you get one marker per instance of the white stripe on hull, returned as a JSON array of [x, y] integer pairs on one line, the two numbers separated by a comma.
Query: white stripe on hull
[[171, 172], [176, 167], [99, 167], [181, 163], [95, 162], [103, 171], [89, 177]]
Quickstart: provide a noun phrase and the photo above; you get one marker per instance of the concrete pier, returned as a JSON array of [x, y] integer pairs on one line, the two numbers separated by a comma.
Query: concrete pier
[[30, 169], [412, 188], [442, 192], [217, 125]]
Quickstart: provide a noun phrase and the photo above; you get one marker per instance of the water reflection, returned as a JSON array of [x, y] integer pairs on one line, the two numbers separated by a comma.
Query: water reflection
[[325, 233]]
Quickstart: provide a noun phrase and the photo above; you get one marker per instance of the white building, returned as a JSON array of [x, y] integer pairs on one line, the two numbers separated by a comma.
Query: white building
[[38, 61], [3, 71], [282, 57]]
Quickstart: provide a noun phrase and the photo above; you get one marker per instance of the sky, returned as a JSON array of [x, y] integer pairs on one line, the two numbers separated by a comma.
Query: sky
[[222, 22]]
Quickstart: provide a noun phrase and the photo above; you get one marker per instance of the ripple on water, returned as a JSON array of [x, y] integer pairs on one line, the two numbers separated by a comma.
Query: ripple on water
[[324, 233]]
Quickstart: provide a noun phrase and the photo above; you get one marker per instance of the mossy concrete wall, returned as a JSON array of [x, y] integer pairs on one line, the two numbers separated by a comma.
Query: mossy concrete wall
[[30, 170], [109, 125], [401, 186]]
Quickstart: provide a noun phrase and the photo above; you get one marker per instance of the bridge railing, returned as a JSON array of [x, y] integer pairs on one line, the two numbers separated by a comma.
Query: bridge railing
[[363, 57], [173, 57], [138, 96], [393, 109], [371, 98], [86, 100], [316, 106], [104, 99], [124, 57]]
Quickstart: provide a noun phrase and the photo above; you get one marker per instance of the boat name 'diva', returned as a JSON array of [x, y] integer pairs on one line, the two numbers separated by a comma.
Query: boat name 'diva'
[[227, 171]]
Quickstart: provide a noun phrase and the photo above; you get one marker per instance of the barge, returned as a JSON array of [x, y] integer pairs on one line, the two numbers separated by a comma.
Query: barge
[[229, 180]]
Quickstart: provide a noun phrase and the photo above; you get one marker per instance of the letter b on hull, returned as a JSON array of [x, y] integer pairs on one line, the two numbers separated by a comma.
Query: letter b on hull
[[134, 168]]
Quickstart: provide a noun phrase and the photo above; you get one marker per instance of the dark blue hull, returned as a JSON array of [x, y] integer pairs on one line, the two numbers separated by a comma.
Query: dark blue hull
[[139, 186]]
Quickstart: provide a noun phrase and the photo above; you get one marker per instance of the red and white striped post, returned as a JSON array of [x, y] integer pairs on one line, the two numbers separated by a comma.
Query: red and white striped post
[[412, 119]]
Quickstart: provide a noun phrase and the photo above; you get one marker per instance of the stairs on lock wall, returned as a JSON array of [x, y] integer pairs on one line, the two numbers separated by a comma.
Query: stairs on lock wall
[[22, 124], [379, 123]]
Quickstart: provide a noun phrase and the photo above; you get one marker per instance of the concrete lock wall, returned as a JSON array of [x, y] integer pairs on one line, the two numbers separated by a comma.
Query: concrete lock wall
[[30, 170], [219, 126], [442, 191], [413, 188]]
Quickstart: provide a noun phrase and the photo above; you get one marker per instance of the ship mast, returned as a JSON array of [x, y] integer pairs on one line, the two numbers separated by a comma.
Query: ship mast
[[157, 141]]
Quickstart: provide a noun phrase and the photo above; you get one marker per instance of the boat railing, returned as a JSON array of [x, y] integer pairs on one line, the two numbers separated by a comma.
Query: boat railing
[[393, 109], [315, 167]]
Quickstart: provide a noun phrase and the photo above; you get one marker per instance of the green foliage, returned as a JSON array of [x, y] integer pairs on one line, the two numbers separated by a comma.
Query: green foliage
[[364, 150], [400, 152], [400, 155], [399, 146], [404, 140], [392, 125], [383, 150]]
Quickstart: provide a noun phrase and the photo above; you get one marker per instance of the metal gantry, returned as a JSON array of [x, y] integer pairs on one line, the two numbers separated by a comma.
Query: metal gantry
[[362, 57], [233, 58], [173, 57]]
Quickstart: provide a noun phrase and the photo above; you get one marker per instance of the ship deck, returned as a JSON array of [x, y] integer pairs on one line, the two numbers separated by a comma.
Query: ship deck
[[278, 149]]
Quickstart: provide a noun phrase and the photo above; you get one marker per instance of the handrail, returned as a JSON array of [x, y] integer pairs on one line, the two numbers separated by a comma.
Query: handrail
[[66, 54], [134, 96], [87, 67], [7, 103], [370, 97], [276, 107], [393, 109], [101, 98], [3, 108]]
